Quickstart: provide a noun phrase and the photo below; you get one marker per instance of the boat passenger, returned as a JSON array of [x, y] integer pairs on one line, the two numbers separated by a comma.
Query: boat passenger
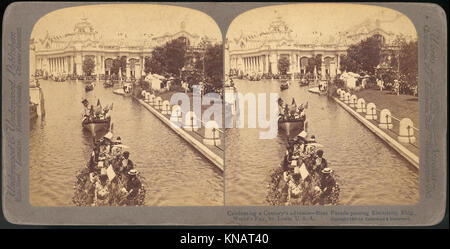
[[302, 136], [132, 187], [320, 162], [105, 149], [102, 193], [327, 184], [92, 162], [285, 163], [127, 164], [294, 190]]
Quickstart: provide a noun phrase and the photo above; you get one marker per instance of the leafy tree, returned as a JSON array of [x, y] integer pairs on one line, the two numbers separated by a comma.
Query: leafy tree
[[156, 63], [88, 66], [283, 65], [363, 56], [169, 58], [214, 65], [175, 56], [409, 60]]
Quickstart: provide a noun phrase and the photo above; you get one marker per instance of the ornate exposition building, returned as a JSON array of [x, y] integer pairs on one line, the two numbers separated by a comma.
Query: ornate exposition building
[[64, 55], [259, 53]]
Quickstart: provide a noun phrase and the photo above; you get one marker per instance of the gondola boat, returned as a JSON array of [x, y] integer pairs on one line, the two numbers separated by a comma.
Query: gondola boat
[[293, 126], [284, 85], [86, 178], [97, 125], [108, 83], [89, 87], [280, 177]]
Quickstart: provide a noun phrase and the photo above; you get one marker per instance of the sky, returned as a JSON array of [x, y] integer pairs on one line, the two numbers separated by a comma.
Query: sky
[[327, 18], [132, 19]]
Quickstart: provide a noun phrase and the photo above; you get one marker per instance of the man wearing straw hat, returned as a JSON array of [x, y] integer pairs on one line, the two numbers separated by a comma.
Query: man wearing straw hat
[[326, 185], [132, 187]]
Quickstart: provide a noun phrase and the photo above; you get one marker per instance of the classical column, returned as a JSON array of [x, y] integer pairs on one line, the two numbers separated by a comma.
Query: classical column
[[275, 64], [338, 64], [253, 63], [128, 70], [322, 69], [259, 64], [266, 68], [138, 68], [333, 68], [102, 61], [142, 66], [78, 61], [72, 60], [245, 64], [69, 63]]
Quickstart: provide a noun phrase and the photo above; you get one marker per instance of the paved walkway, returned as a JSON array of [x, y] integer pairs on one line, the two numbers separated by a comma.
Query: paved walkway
[[401, 106]]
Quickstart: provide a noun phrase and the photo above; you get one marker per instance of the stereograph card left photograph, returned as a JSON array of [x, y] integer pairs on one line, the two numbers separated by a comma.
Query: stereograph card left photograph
[[174, 114], [87, 64]]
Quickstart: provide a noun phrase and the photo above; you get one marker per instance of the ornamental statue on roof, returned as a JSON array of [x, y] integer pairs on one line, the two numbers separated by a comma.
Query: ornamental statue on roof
[[84, 26], [279, 26]]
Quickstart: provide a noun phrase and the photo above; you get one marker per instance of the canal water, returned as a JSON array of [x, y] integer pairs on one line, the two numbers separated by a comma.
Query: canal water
[[176, 175], [370, 173]]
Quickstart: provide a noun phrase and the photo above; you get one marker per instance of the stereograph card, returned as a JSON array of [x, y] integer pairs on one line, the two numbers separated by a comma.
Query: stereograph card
[[266, 114]]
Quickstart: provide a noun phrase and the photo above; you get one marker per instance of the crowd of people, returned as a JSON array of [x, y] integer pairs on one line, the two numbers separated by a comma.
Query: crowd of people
[[304, 177], [110, 177], [97, 113], [291, 112]]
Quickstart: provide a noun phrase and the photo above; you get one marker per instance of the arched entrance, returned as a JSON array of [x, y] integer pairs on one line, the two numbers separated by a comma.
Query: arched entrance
[[327, 61], [303, 65], [133, 63], [108, 66]]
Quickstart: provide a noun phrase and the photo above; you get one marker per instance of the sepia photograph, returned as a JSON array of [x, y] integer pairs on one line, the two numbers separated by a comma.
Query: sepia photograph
[[323, 106], [224, 114], [108, 85]]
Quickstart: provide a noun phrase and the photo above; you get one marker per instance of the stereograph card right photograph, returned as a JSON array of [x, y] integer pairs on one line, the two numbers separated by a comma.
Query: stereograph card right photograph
[[347, 110]]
